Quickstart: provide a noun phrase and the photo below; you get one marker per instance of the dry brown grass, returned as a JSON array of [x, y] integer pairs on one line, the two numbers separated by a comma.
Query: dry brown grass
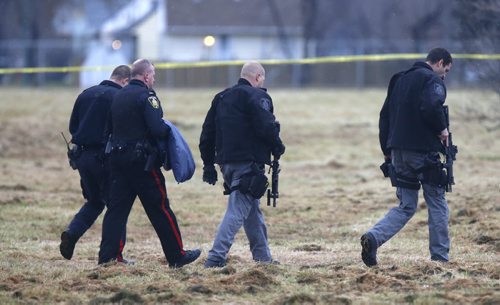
[[331, 188]]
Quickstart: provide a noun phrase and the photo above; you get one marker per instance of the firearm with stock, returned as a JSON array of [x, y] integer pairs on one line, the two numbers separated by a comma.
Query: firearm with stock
[[73, 153], [273, 194], [450, 153]]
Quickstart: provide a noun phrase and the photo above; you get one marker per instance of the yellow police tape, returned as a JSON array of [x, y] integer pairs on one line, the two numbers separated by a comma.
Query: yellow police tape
[[203, 64]]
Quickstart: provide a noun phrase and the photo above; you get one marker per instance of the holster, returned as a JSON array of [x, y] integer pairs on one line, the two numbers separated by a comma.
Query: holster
[[145, 152], [433, 171], [386, 168], [398, 180], [73, 155], [254, 183]]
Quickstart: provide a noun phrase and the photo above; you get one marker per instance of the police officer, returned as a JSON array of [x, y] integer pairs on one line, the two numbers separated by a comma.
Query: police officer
[[87, 125], [413, 131], [136, 120], [240, 133]]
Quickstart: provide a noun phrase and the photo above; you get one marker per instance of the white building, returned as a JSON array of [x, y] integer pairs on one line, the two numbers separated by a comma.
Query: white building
[[239, 29]]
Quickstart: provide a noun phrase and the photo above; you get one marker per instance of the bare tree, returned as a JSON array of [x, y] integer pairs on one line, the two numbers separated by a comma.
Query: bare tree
[[479, 29]]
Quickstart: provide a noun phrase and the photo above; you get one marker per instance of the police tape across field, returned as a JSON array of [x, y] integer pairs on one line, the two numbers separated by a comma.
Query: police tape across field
[[203, 64]]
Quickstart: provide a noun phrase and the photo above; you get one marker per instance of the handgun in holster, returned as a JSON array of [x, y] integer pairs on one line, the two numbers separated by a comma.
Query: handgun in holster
[[73, 153], [388, 170], [150, 161], [254, 183]]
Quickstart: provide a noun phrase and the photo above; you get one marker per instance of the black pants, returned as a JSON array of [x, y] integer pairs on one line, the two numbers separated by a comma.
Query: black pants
[[129, 180], [94, 181]]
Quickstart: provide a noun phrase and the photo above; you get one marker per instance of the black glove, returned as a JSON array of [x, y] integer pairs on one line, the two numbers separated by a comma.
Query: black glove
[[278, 150], [209, 174]]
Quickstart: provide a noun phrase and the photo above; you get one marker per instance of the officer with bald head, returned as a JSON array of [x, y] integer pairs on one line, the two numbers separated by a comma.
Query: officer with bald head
[[240, 133], [136, 126]]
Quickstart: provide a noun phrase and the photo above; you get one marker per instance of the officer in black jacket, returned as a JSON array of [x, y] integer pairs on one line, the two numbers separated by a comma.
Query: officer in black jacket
[[87, 126], [413, 132], [240, 133], [136, 120]]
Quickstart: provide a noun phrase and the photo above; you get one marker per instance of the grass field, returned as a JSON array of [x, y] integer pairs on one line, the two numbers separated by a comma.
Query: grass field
[[331, 192]]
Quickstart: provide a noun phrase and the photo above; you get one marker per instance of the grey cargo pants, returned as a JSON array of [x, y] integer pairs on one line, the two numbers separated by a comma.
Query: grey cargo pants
[[242, 210], [405, 163]]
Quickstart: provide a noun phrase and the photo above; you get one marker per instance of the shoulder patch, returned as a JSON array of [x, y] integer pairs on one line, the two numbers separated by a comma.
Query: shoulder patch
[[265, 103], [438, 89], [154, 102]]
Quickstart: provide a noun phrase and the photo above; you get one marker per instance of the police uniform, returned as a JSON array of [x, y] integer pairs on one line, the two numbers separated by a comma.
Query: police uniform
[[239, 133], [87, 125], [136, 119], [411, 119]]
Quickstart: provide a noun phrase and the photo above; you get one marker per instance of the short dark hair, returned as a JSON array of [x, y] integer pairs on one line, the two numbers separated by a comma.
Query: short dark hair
[[437, 54], [121, 72]]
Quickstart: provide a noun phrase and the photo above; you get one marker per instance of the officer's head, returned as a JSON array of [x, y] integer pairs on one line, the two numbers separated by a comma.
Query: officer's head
[[143, 70], [121, 75], [440, 60], [254, 73]]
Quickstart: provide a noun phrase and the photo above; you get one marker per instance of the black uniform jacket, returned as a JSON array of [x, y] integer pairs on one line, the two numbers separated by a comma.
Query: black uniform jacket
[[240, 126], [412, 116], [136, 115], [90, 112]]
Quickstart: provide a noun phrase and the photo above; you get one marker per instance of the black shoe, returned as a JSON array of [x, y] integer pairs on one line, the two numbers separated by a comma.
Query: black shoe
[[439, 259], [214, 264], [67, 245], [189, 257], [369, 250]]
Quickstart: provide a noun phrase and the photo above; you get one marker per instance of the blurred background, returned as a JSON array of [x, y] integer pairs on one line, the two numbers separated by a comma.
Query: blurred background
[[55, 33]]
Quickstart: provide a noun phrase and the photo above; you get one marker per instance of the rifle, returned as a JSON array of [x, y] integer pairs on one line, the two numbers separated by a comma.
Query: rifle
[[273, 192], [450, 153], [72, 153]]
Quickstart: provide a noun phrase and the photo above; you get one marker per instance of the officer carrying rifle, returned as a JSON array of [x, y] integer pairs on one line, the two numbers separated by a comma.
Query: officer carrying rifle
[[416, 143], [272, 193], [240, 133]]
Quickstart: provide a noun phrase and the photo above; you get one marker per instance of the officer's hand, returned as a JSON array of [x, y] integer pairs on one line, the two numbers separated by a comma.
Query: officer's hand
[[209, 174], [443, 136], [278, 151]]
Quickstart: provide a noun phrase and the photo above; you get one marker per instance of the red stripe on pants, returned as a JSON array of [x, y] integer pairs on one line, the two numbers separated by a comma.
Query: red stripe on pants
[[164, 208], [119, 257]]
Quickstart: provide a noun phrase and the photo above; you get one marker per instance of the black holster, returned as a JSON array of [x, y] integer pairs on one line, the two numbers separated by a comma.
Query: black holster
[[144, 151], [254, 184], [386, 168], [73, 155], [398, 180], [434, 172]]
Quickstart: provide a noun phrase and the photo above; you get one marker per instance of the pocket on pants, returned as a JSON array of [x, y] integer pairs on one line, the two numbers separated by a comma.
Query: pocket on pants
[[434, 191]]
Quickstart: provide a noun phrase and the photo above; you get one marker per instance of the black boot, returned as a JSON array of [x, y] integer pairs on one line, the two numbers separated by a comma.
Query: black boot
[[67, 245], [369, 250], [189, 257]]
